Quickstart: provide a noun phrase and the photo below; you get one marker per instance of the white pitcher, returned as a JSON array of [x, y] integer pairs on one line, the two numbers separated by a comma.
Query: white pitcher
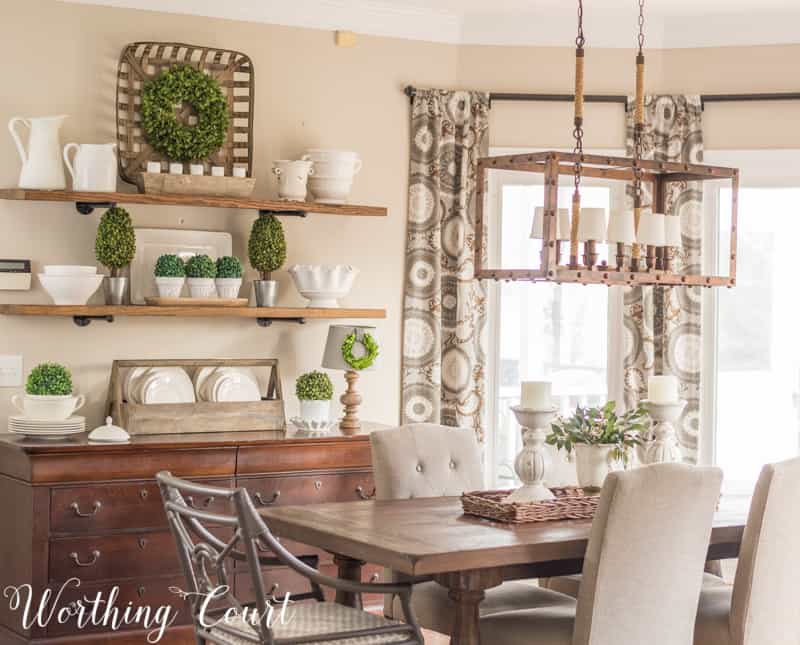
[[42, 167], [292, 178], [94, 167]]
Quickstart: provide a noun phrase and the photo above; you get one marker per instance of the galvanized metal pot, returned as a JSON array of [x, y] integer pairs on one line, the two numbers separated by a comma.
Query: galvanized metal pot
[[116, 290], [266, 292]]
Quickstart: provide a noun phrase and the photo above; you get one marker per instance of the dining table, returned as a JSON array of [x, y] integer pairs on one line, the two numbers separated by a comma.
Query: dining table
[[432, 538]]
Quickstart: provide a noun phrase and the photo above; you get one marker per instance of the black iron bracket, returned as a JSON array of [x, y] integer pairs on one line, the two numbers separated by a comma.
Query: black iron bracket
[[87, 208], [266, 322], [85, 321], [295, 213]]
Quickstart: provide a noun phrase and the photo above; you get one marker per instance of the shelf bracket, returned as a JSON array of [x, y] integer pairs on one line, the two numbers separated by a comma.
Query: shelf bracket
[[85, 321], [87, 208], [295, 213], [266, 322]]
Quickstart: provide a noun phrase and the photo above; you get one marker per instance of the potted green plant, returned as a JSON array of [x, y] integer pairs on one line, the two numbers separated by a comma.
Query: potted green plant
[[200, 273], [115, 246], [602, 439], [229, 276], [315, 391], [170, 274], [48, 394], [266, 249]]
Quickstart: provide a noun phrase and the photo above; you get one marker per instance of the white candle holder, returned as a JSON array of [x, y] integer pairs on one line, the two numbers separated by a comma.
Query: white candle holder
[[531, 462], [664, 446]]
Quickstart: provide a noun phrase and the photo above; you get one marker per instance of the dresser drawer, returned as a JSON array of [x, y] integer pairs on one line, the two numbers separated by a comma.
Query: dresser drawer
[[89, 509], [309, 489], [278, 581]]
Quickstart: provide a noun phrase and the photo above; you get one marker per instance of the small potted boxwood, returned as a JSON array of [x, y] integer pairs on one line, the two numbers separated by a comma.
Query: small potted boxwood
[[48, 394], [315, 391], [266, 249], [114, 247], [229, 276], [170, 274], [200, 272]]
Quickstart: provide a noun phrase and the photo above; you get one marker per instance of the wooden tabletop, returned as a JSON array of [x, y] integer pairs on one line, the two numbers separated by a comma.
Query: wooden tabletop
[[420, 537]]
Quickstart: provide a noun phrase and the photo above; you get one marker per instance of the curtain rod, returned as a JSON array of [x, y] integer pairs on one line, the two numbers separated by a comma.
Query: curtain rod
[[411, 91]]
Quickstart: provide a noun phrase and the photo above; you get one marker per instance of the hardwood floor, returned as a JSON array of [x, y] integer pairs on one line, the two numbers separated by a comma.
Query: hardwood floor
[[434, 638]]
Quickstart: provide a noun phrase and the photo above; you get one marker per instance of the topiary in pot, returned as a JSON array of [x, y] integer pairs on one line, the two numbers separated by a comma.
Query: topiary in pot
[[201, 271], [315, 391], [170, 274], [114, 247], [266, 250], [48, 393], [229, 276]]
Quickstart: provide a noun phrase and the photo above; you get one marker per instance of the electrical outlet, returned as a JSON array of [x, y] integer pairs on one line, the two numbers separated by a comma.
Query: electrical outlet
[[10, 371]]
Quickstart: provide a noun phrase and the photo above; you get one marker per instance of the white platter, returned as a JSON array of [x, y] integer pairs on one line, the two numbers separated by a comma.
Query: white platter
[[166, 385], [227, 384]]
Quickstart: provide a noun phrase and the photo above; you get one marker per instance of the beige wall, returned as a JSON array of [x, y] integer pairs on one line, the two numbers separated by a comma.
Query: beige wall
[[61, 58]]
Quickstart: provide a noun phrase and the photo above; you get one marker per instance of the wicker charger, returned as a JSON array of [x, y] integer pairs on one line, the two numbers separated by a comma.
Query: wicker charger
[[571, 503]]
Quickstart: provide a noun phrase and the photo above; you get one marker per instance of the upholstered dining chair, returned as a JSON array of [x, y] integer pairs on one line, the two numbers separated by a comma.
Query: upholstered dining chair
[[763, 605], [642, 570], [429, 460], [207, 563]]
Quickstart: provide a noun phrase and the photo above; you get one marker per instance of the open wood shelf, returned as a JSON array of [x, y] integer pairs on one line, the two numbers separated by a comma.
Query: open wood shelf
[[83, 315], [87, 200]]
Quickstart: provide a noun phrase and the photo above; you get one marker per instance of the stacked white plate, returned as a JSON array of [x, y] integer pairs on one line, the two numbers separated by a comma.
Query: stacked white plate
[[46, 428], [149, 385], [226, 385]]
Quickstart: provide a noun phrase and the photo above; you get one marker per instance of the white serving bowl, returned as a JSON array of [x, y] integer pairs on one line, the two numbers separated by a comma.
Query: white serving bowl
[[323, 284], [327, 154], [69, 269], [70, 289], [328, 190]]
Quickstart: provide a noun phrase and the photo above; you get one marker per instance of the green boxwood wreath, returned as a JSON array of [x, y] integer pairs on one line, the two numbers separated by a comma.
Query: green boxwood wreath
[[163, 96], [360, 362]]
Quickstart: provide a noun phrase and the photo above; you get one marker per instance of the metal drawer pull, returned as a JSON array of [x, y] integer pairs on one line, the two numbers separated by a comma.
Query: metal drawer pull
[[141, 591], [318, 484], [274, 589], [263, 502], [206, 503], [142, 543], [375, 577], [95, 557], [144, 494], [77, 509], [360, 492]]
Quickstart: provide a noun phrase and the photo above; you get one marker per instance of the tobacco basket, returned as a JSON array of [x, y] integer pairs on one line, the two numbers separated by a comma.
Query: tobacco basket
[[571, 503]]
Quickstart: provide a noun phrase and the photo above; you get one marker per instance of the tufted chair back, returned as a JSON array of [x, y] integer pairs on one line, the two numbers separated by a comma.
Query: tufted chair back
[[425, 460]]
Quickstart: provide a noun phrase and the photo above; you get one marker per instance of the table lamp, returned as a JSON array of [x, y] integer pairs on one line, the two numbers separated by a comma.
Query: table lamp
[[364, 348]]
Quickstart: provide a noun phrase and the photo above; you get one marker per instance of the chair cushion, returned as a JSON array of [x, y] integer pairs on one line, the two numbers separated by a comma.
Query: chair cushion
[[713, 615], [553, 625], [434, 609], [318, 618], [570, 585]]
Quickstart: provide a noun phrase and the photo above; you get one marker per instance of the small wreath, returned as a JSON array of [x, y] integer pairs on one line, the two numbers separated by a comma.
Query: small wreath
[[370, 347], [163, 96]]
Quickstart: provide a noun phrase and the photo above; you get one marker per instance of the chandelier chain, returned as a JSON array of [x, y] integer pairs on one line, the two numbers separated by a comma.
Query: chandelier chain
[[641, 25], [577, 133], [580, 41]]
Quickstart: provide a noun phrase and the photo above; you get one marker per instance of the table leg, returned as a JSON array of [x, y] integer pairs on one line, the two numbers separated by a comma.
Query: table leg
[[467, 590], [714, 567], [349, 569]]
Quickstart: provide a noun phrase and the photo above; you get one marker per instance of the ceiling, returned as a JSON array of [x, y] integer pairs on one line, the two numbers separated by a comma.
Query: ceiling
[[609, 23]]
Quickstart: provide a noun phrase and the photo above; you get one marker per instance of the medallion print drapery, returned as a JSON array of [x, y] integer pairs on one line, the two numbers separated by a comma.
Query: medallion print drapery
[[444, 309], [662, 324]]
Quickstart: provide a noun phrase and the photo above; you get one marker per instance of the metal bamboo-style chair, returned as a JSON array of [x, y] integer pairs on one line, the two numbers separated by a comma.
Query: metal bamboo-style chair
[[207, 562]]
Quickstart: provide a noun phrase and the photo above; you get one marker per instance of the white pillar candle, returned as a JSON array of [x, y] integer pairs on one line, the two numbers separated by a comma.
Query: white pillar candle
[[663, 389], [154, 167], [238, 171], [218, 171], [175, 168], [196, 169], [535, 395]]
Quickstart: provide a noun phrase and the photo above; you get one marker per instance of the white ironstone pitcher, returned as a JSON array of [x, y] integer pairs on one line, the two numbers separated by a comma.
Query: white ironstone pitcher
[[94, 167], [42, 167]]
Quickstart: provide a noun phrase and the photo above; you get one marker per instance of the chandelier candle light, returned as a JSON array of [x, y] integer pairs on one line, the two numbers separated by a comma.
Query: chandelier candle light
[[664, 406], [562, 228]]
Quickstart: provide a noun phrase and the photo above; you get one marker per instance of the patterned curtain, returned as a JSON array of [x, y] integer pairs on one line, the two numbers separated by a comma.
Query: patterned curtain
[[663, 333], [444, 309]]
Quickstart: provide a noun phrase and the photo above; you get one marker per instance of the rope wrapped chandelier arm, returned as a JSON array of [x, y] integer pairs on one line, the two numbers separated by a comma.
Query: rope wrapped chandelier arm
[[577, 133], [638, 143]]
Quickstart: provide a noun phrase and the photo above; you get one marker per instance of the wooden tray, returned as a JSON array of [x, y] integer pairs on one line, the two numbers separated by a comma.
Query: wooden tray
[[571, 503], [196, 302], [153, 183]]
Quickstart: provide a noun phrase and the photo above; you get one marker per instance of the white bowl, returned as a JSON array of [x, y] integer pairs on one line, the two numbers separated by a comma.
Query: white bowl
[[70, 289], [345, 168], [327, 154], [69, 269], [323, 284], [330, 190]]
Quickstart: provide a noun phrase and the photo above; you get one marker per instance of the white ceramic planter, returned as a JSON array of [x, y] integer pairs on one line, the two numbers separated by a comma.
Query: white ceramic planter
[[228, 287], [201, 287], [292, 178], [323, 284], [593, 463], [52, 408], [170, 287], [315, 410]]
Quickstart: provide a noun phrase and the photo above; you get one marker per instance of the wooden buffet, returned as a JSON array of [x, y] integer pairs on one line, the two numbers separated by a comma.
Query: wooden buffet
[[94, 512]]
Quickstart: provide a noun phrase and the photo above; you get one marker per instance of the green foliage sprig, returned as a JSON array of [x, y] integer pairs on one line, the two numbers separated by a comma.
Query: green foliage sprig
[[164, 95], [115, 244], [361, 362], [229, 267], [201, 266], [49, 379], [601, 425], [169, 266], [314, 386], [266, 247]]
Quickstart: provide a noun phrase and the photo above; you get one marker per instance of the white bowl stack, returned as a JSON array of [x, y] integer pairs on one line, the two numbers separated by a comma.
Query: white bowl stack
[[334, 171], [70, 284], [323, 284]]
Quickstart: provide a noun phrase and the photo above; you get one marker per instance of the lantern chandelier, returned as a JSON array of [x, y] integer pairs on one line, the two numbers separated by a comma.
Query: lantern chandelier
[[647, 240]]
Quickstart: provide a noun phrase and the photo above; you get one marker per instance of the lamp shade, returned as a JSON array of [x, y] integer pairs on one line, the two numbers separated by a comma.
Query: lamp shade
[[672, 231], [592, 225], [651, 229], [562, 224], [621, 227], [333, 359]]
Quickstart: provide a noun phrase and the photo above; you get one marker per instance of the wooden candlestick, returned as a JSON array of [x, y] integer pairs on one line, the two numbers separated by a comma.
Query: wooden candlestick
[[620, 256], [669, 255], [350, 425], [651, 257], [590, 254]]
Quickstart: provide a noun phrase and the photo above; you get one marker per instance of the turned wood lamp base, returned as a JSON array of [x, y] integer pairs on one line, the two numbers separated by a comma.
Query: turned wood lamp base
[[350, 423]]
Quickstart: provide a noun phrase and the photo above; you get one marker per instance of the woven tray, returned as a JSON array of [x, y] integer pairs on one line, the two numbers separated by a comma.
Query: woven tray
[[571, 503]]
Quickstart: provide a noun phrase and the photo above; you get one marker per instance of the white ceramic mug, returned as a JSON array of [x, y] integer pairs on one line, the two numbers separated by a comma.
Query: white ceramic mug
[[94, 167], [292, 178], [52, 408]]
